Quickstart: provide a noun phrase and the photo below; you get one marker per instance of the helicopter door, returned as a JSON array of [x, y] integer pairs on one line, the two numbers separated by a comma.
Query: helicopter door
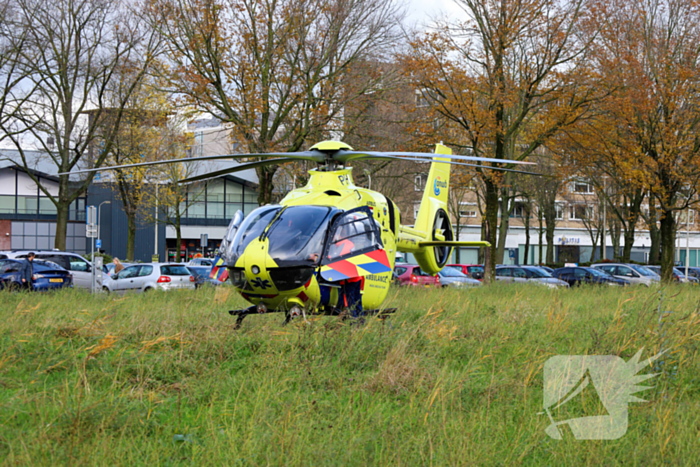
[[354, 247]]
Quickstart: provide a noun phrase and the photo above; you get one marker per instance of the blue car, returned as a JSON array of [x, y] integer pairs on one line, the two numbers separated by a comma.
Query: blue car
[[47, 275]]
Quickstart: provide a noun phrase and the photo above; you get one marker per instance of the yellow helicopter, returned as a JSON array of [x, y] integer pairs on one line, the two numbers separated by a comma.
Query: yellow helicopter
[[330, 246]]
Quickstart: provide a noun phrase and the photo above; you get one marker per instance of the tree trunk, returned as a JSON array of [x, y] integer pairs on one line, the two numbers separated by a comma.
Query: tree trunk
[[503, 225], [265, 185], [668, 245], [631, 224], [615, 231], [178, 239], [526, 222], [61, 225], [654, 234], [484, 238], [540, 220], [549, 232], [457, 249], [491, 201], [130, 238]]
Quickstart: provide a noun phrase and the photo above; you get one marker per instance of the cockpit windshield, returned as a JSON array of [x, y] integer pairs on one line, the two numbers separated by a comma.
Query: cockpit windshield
[[298, 234], [253, 225]]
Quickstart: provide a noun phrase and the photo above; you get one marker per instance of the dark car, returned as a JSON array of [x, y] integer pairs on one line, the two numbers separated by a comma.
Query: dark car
[[47, 275], [581, 275], [201, 276]]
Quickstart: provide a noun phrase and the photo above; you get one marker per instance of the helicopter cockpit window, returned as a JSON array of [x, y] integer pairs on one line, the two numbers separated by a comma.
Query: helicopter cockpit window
[[297, 235], [250, 229], [353, 233]]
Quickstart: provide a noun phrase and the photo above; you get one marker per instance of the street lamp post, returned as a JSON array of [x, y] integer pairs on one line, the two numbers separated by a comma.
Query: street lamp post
[[99, 217]]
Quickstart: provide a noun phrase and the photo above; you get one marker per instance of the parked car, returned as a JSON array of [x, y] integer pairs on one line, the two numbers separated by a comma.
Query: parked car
[[109, 267], [451, 277], [150, 276], [411, 274], [528, 274], [201, 262], [546, 268], [632, 273], [201, 276], [78, 266], [581, 275], [693, 272], [475, 271], [678, 275], [47, 275]]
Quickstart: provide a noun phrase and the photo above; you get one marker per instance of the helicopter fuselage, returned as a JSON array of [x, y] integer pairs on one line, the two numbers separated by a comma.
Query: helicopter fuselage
[[282, 266]]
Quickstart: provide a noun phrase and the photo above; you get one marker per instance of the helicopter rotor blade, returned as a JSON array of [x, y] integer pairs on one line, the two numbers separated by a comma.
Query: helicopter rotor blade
[[238, 168], [315, 156], [429, 158], [344, 156]]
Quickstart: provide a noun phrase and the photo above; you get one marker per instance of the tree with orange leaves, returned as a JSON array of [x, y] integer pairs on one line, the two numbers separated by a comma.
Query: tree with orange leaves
[[506, 81], [647, 52], [274, 70]]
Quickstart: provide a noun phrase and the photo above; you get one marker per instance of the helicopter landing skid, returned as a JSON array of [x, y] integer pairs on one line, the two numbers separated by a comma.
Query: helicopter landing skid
[[333, 311]]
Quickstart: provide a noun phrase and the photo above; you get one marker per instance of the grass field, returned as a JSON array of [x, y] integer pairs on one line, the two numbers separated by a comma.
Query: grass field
[[453, 378]]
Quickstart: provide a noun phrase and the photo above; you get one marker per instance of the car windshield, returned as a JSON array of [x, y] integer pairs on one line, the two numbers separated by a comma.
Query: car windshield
[[598, 272], [537, 272], [298, 233], [199, 272], [473, 269], [449, 272], [642, 270]]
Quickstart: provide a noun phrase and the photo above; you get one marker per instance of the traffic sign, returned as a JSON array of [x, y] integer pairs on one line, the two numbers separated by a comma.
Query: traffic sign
[[204, 240], [98, 243]]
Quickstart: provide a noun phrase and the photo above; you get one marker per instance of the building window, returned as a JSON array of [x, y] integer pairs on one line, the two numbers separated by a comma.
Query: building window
[[419, 182], [559, 209], [578, 212], [467, 209], [582, 188], [422, 98], [518, 210], [682, 218]]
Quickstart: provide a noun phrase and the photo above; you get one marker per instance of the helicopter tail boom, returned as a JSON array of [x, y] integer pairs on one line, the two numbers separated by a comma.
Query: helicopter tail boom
[[430, 240]]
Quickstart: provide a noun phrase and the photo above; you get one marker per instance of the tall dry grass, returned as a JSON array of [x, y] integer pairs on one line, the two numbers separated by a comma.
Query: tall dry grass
[[453, 378]]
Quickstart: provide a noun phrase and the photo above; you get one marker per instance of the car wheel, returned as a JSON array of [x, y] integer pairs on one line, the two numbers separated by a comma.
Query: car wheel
[[148, 289], [105, 289]]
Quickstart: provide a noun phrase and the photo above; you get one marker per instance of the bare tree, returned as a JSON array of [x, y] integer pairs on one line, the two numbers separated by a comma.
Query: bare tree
[[74, 51], [277, 71]]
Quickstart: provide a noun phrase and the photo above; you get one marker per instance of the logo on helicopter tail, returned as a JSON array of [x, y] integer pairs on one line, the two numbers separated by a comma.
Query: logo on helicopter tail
[[437, 185]]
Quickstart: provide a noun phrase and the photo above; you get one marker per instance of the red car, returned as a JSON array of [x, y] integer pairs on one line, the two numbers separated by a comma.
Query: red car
[[411, 274], [475, 271]]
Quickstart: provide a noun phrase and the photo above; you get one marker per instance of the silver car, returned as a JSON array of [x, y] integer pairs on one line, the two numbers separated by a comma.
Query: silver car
[[528, 274], [630, 272], [450, 277], [150, 276]]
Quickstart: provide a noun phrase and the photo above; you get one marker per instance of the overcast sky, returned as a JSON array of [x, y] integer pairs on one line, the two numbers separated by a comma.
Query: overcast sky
[[422, 11]]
